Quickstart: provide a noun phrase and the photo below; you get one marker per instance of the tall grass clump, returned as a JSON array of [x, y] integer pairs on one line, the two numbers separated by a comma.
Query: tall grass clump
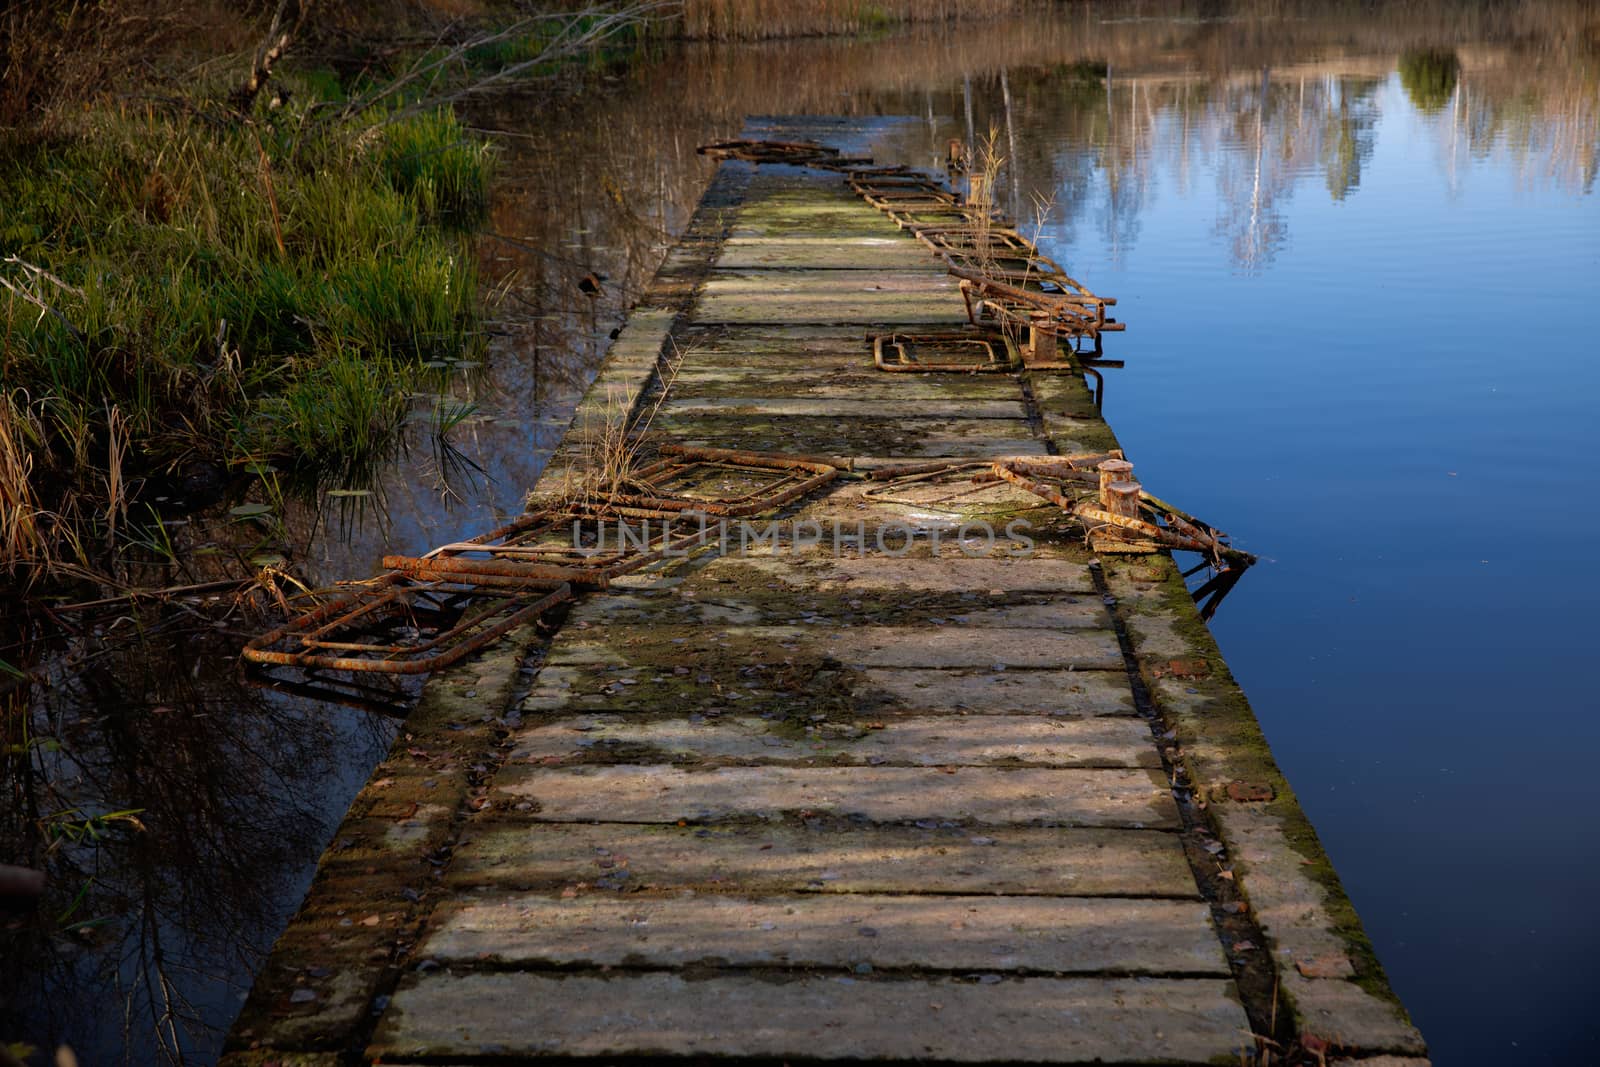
[[427, 158], [212, 290]]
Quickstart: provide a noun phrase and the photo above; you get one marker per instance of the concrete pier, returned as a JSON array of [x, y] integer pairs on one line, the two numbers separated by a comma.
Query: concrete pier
[[966, 804]]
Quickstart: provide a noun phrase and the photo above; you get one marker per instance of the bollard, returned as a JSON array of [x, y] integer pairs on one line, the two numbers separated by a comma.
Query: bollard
[[978, 190], [1042, 335], [955, 156], [1122, 499], [1112, 471]]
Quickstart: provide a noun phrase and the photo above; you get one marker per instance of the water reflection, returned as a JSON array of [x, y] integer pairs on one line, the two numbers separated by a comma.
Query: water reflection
[[1110, 118], [175, 812]]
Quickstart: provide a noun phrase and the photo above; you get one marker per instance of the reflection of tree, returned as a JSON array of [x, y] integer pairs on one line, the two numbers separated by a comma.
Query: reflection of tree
[[1096, 135], [1251, 181], [1352, 133], [1429, 77], [153, 925]]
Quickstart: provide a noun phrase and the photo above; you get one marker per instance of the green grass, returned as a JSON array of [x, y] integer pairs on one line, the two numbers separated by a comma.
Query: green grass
[[330, 275], [1428, 76]]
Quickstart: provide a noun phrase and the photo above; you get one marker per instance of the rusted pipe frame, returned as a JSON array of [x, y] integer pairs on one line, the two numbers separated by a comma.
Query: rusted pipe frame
[[532, 522], [258, 650], [802, 475], [1203, 532], [1066, 321], [809, 473], [1090, 513], [1038, 270], [514, 539], [1009, 265], [1166, 537], [785, 488], [1052, 303], [1084, 463], [906, 470], [903, 181], [896, 183], [452, 562], [470, 618], [888, 197], [317, 616], [961, 216], [372, 598], [1070, 309], [940, 239], [898, 341], [772, 460], [883, 487], [909, 202]]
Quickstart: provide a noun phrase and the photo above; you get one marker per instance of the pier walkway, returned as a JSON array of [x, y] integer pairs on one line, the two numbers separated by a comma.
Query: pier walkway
[[797, 804]]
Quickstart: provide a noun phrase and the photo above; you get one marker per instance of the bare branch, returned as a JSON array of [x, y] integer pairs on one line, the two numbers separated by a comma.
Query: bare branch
[[44, 307], [40, 272], [286, 24], [574, 34]]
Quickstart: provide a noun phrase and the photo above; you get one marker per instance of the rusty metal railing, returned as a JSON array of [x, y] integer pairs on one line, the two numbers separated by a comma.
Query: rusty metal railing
[[427, 612], [986, 353], [429, 624]]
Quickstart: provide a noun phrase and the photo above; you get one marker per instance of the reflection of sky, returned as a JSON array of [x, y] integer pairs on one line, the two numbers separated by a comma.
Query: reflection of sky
[[1314, 138], [1392, 402]]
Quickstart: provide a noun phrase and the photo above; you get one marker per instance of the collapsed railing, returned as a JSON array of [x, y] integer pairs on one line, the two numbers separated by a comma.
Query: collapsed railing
[[1098, 493], [426, 612], [1005, 280]]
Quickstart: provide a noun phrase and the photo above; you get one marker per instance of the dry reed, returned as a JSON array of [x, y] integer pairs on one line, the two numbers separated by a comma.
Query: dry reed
[[749, 20]]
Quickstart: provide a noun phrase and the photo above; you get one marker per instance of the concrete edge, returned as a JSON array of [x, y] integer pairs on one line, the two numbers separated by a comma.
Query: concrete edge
[[322, 986], [1328, 972]]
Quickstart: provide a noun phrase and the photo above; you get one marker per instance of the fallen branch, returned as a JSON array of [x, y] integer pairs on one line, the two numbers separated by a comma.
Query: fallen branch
[[576, 32], [40, 272], [221, 585], [45, 307]]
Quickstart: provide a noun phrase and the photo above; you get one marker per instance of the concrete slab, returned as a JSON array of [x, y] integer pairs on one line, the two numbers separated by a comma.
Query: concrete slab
[[999, 648], [930, 741], [872, 693], [748, 248], [1054, 1020], [928, 933], [804, 297], [845, 406], [951, 574], [512, 849], [657, 794]]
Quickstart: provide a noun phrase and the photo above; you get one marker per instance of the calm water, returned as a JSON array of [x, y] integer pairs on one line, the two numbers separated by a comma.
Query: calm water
[[1363, 332], [1359, 257]]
